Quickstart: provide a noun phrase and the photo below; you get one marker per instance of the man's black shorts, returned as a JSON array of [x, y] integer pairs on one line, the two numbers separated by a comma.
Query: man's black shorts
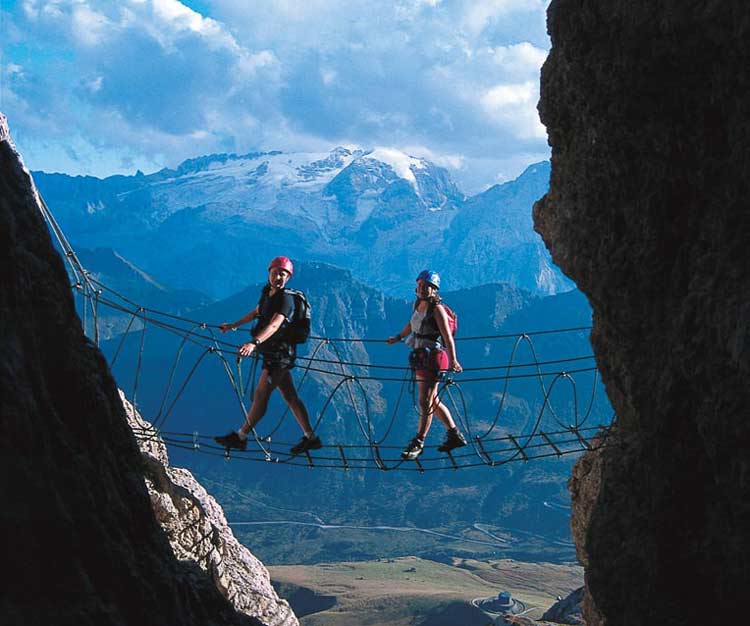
[[280, 356]]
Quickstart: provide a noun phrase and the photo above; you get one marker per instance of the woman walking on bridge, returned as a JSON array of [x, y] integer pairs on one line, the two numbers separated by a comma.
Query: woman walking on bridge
[[430, 335]]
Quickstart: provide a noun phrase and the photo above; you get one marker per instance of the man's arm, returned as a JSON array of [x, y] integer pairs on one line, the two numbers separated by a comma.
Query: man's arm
[[269, 331], [249, 317], [265, 333]]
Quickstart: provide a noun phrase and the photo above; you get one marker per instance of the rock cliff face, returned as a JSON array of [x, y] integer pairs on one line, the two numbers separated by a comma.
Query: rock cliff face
[[80, 542], [646, 107], [198, 531]]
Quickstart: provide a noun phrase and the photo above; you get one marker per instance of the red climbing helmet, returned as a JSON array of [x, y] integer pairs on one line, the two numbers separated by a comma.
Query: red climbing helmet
[[284, 262]]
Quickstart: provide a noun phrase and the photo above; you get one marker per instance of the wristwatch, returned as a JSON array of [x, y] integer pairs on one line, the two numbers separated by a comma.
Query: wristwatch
[[255, 341]]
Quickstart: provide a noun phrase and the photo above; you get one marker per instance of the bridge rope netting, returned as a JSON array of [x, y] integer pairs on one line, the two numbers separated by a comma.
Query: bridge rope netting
[[351, 383]]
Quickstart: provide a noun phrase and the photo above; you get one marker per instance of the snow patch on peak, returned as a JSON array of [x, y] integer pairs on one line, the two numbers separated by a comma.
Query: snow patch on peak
[[399, 162]]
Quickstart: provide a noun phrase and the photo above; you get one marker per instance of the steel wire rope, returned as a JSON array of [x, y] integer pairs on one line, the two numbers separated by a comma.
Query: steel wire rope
[[161, 420], [240, 399], [251, 379], [466, 369], [575, 400], [465, 380], [329, 372], [122, 340], [80, 274], [395, 410], [96, 317], [470, 338], [69, 248], [544, 404], [139, 364], [157, 311], [170, 327], [185, 438], [524, 337], [336, 464], [327, 403], [368, 435], [463, 417], [504, 392], [591, 399], [381, 463], [170, 378], [65, 246], [167, 326]]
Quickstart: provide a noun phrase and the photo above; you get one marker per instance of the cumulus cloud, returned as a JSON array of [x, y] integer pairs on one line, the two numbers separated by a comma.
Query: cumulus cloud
[[157, 79], [512, 104]]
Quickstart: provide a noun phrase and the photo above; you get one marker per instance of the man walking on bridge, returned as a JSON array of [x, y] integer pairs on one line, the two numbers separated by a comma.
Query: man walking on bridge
[[274, 314]]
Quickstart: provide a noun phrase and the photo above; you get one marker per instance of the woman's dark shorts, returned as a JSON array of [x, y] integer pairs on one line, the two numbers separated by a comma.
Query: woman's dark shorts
[[429, 363]]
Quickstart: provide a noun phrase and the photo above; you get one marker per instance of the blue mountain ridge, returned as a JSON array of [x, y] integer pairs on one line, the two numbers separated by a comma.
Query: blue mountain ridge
[[215, 220]]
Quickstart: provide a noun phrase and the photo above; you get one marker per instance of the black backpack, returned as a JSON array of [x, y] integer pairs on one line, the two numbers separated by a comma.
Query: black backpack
[[298, 330]]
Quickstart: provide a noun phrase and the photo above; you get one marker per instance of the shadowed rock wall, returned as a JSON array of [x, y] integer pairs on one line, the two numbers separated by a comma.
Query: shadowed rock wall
[[647, 109], [80, 543]]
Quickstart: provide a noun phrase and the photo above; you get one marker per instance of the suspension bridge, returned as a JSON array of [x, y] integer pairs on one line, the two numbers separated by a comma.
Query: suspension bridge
[[490, 444]]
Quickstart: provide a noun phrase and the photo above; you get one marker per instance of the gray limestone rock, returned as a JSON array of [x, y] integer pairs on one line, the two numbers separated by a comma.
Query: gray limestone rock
[[198, 531]]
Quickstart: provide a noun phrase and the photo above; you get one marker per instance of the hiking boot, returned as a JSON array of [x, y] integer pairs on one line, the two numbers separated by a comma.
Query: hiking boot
[[305, 444], [231, 440], [453, 439], [413, 450]]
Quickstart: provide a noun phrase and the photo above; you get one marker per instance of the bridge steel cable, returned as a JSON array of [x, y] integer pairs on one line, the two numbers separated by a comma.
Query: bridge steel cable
[[374, 452]]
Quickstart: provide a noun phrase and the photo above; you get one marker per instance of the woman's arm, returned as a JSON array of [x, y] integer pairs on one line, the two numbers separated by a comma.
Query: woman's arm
[[405, 331], [441, 317], [243, 320]]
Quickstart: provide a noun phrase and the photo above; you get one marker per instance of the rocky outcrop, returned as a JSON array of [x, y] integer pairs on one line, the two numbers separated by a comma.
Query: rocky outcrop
[[198, 531], [584, 485], [646, 107], [80, 542], [567, 610]]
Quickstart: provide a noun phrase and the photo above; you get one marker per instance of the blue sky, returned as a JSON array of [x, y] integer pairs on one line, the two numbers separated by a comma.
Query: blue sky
[[103, 87]]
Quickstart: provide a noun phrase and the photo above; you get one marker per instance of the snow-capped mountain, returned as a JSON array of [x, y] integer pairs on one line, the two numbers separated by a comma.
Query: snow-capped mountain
[[212, 223]]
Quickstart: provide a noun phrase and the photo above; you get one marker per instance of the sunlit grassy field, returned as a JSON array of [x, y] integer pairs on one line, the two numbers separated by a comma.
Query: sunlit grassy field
[[408, 590]]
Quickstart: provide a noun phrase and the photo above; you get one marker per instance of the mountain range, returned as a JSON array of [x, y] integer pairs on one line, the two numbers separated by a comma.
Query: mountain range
[[212, 223]]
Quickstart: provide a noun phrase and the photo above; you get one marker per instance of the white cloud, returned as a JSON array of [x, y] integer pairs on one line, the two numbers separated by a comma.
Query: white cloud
[[479, 15], [501, 96], [14, 70], [156, 77], [450, 161], [89, 26], [94, 84], [328, 76], [30, 9], [399, 161], [522, 55], [513, 107]]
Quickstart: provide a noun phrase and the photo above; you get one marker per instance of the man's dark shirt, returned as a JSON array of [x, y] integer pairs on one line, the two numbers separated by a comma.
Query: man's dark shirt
[[281, 302]]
